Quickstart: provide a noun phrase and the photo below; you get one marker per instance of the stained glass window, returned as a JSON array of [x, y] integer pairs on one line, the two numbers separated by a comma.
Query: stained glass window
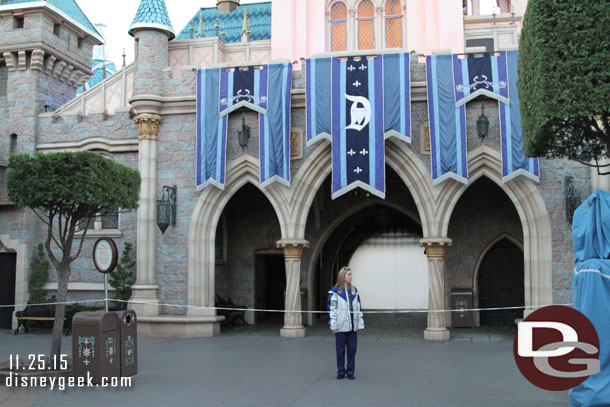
[[338, 27], [366, 25], [393, 24]]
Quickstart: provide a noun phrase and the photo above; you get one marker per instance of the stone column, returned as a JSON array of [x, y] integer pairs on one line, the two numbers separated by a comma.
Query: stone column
[[293, 325], [146, 289], [437, 326]]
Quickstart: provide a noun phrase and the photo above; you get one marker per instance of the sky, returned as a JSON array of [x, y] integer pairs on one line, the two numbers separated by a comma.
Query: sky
[[117, 15]]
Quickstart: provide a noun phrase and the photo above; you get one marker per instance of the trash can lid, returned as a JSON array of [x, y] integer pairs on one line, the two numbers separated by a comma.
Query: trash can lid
[[106, 321]]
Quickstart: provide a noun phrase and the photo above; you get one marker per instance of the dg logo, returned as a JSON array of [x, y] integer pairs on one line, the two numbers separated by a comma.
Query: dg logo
[[556, 348]]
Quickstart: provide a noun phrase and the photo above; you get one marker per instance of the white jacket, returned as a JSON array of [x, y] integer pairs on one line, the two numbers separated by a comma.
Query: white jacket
[[338, 310]]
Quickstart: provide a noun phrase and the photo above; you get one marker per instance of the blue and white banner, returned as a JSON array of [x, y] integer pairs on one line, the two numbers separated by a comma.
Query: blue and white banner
[[447, 122], [265, 90], [357, 102], [514, 161], [453, 82]]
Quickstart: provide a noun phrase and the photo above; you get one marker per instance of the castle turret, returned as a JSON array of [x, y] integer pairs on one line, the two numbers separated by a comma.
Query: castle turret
[[152, 31], [226, 6]]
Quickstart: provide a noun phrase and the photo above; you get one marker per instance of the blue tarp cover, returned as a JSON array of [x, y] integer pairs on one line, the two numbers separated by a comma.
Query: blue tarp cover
[[591, 287]]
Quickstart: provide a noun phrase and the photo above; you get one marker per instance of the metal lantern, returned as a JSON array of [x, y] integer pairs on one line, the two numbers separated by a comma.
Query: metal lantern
[[573, 199], [244, 134], [482, 124], [166, 208]]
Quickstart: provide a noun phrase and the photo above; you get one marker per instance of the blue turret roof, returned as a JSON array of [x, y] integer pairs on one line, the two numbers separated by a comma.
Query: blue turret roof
[[68, 7], [152, 14], [98, 74], [259, 20]]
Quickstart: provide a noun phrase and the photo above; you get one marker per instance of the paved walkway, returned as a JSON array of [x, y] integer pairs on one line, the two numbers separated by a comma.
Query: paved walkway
[[253, 366]]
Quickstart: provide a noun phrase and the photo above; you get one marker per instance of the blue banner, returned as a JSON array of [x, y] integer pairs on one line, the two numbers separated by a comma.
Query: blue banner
[[447, 122], [357, 102], [221, 91], [514, 160]]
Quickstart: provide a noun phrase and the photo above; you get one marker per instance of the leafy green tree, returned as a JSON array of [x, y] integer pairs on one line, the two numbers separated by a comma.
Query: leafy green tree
[[39, 277], [564, 79], [122, 279], [66, 191]]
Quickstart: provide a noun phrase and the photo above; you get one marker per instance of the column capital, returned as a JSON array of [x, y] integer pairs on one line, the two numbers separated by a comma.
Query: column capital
[[435, 247], [148, 126], [292, 248]]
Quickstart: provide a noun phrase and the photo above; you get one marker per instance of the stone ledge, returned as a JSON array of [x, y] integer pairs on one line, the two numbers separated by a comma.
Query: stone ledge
[[171, 326]]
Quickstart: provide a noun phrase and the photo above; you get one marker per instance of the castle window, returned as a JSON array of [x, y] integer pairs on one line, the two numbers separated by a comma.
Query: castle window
[[338, 26], [393, 24], [18, 22], [366, 25], [13, 144], [56, 29], [79, 42]]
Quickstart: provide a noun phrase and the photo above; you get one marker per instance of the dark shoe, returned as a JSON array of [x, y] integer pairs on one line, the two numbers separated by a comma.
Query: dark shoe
[[340, 376], [350, 376]]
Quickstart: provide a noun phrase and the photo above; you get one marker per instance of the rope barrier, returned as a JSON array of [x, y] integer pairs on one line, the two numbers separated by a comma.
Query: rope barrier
[[393, 311]]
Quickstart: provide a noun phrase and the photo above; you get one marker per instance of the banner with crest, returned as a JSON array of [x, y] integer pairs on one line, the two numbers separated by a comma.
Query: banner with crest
[[357, 102], [264, 89]]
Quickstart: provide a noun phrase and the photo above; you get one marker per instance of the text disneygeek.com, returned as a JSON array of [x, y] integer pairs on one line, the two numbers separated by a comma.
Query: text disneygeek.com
[[61, 383]]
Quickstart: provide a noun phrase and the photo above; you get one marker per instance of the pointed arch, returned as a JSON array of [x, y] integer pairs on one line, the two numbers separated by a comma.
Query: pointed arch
[[202, 229], [407, 165], [534, 217]]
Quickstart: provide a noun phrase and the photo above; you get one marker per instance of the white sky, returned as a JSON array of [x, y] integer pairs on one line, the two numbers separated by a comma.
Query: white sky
[[117, 15]]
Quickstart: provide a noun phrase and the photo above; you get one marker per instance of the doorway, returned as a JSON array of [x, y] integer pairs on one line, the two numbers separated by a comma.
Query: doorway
[[501, 284], [270, 286], [8, 269]]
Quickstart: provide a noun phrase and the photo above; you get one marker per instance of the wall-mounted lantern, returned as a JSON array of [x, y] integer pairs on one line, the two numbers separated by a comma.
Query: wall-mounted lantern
[[573, 199], [166, 208], [244, 134], [482, 124]]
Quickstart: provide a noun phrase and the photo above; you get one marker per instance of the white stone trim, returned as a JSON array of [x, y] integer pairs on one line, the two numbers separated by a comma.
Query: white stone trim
[[77, 286], [92, 143]]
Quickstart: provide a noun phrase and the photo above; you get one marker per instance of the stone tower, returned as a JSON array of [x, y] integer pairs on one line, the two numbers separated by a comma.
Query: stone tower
[[152, 30], [45, 53]]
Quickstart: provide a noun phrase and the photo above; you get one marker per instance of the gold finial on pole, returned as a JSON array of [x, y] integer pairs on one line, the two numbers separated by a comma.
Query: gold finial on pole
[[246, 27], [200, 26]]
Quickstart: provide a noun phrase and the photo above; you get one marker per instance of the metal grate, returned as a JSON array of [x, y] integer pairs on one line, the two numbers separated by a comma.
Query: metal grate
[[393, 32]]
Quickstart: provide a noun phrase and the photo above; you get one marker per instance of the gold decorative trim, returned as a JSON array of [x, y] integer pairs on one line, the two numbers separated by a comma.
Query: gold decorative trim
[[293, 250], [148, 126], [435, 249]]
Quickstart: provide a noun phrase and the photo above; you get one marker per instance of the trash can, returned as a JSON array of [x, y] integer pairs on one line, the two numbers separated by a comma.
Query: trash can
[[461, 300], [128, 338], [95, 345]]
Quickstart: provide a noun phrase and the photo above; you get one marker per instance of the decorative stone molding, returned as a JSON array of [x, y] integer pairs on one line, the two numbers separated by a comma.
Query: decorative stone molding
[[22, 63], [66, 73], [148, 126], [435, 248], [10, 61], [293, 248], [37, 60], [50, 62], [74, 78], [58, 68]]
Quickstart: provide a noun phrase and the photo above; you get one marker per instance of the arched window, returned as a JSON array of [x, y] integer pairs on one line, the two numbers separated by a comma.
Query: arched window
[[393, 24], [366, 25], [13, 144], [338, 27]]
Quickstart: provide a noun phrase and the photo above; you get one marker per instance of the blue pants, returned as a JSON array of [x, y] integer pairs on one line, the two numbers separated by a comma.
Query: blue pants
[[349, 340]]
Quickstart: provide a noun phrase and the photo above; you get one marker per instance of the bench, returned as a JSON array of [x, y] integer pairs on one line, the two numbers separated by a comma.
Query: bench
[[33, 312], [231, 316]]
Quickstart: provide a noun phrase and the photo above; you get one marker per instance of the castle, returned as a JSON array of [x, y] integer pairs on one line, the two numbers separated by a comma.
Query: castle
[[489, 242]]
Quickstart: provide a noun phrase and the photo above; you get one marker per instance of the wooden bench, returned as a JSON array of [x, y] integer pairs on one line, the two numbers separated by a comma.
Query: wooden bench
[[231, 316], [33, 312]]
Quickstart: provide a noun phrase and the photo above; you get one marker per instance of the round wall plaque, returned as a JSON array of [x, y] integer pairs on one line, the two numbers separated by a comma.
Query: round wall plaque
[[105, 254]]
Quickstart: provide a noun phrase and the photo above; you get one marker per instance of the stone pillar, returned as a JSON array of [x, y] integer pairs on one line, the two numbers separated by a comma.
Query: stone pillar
[[146, 289], [437, 326], [293, 325]]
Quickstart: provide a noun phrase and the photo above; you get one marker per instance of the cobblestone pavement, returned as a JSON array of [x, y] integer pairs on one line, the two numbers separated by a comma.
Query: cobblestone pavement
[[253, 366]]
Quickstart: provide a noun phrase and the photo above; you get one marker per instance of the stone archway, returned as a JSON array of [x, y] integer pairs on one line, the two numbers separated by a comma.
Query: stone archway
[[202, 231], [535, 222]]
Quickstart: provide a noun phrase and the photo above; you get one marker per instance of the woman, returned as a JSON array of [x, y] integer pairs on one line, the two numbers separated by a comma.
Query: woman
[[345, 321]]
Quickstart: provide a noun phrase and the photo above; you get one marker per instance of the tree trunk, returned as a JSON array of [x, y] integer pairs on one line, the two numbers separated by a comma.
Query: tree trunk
[[63, 274]]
